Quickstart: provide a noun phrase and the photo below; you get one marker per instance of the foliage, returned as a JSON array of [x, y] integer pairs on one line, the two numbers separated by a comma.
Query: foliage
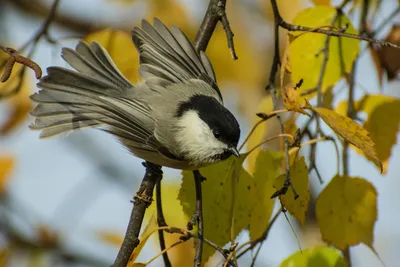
[[314, 70], [346, 211], [315, 257]]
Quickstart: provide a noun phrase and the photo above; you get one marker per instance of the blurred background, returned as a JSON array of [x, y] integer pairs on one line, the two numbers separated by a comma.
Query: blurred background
[[66, 201]]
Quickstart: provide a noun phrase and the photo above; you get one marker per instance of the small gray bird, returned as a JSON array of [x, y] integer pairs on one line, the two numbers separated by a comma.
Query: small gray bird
[[175, 118]]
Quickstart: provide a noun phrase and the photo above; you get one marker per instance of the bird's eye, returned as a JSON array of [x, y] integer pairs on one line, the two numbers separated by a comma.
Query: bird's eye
[[216, 134]]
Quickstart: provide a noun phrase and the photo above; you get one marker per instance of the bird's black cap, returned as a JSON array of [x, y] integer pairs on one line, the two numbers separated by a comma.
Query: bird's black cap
[[220, 120]]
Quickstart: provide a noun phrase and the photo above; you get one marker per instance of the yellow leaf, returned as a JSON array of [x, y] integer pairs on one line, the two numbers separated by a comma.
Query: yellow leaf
[[138, 264], [120, 47], [111, 238], [260, 189], [306, 51], [315, 257], [222, 181], [382, 127], [382, 123], [299, 176], [6, 166], [292, 101], [322, 2], [346, 212], [147, 232], [285, 66], [349, 130]]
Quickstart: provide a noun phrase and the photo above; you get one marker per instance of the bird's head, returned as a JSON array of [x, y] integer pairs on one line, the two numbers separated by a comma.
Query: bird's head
[[207, 132]]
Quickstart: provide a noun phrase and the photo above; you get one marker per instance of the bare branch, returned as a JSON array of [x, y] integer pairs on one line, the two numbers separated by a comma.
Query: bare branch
[[292, 27], [16, 57], [198, 178], [215, 12], [143, 198], [26, 61], [271, 88]]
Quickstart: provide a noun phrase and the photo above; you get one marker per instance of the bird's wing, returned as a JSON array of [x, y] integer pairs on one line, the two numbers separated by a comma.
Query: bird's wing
[[167, 57], [92, 96]]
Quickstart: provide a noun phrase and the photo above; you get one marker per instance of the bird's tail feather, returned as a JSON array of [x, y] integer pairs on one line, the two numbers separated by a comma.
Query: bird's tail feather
[[70, 100]]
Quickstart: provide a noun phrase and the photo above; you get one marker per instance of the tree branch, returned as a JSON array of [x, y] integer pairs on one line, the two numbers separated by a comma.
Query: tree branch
[[142, 200], [198, 217], [259, 240], [215, 12], [41, 9], [350, 107], [33, 42], [271, 88], [292, 27]]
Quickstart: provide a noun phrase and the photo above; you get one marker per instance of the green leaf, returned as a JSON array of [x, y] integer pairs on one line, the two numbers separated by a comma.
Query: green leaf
[[315, 257], [217, 200], [233, 200], [306, 50], [346, 212], [299, 176]]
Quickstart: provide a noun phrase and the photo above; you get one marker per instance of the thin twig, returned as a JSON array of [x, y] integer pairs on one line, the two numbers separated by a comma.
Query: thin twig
[[292, 27], [253, 261], [271, 88], [261, 239], [270, 139], [264, 117], [229, 33], [215, 12], [198, 178], [142, 200], [164, 251], [16, 57], [350, 109], [161, 222], [231, 255], [175, 230], [33, 41]]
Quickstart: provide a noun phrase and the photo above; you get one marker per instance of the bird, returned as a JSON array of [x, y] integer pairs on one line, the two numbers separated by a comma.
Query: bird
[[174, 117]]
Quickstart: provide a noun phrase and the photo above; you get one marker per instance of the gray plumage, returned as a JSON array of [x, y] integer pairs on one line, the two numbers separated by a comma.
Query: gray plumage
[[96, 94]]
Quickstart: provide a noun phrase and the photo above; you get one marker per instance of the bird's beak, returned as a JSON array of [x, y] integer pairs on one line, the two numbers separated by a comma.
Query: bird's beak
[[235, 152]]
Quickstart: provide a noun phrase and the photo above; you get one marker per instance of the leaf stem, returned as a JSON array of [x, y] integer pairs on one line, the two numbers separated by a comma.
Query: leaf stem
[[270, 139], [264, 117], [165, 251], [198, 178], [161, 223]]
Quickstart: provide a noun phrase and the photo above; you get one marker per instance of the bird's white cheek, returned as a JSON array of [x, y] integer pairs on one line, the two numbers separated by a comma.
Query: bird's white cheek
[[195, 138]]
